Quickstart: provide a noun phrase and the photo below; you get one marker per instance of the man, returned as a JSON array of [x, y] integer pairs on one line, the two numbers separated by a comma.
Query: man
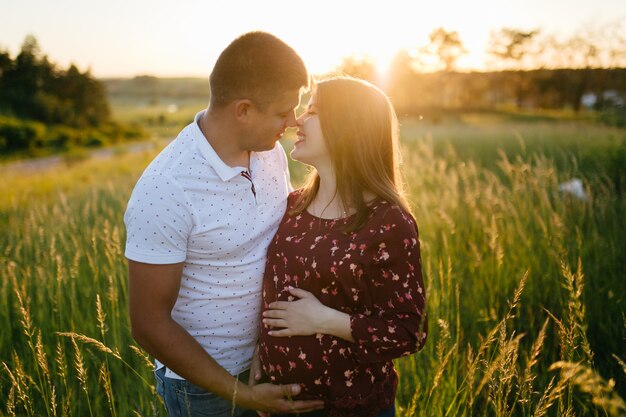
[[198, 225]]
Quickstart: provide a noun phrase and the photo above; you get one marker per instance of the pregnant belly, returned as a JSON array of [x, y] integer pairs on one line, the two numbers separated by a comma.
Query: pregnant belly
[[321, 364]]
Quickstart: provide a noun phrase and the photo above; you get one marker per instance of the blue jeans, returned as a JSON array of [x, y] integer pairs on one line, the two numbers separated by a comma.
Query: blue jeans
[[184, 399]]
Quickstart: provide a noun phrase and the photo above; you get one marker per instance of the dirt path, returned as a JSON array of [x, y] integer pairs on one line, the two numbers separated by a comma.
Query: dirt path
[[49, 162]]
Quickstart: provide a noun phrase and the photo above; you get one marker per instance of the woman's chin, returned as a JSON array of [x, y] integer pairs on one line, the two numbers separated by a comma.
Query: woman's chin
[[295, 155]]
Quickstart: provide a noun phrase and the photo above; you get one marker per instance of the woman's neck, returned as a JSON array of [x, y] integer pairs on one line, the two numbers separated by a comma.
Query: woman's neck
[[327, 203]]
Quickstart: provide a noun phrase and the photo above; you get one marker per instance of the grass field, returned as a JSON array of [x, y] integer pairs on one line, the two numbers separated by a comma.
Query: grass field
[[525, 284]]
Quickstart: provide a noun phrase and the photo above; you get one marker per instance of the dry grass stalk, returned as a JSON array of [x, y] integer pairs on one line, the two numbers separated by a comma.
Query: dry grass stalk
[[550, 395], [11, 402], [528, 378], [81, 372], [105, 380], [413, 404], [91, 341], [143, 356], [574, 284], [440, 369], [505, 351], [21, 382], [53, 400], [516, 297], [471, 373], [101, 315], [61, 364], [79, 365], [42, 361], [621, 362], [602, 392], [25, 320], [501, 373], [444, 338]]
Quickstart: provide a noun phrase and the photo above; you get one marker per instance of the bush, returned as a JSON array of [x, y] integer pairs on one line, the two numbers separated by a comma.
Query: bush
[[64, 137], [26, 135], [94, 139], [613, 116], [18, 134]]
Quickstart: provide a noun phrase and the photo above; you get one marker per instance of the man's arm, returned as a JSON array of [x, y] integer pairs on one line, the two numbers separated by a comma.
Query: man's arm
[[153, 290]]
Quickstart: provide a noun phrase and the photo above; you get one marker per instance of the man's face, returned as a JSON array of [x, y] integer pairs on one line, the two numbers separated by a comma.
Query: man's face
[[268, 125]]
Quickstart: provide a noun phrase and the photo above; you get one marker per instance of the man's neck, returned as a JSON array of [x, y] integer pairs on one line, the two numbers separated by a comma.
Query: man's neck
[[223, 140]]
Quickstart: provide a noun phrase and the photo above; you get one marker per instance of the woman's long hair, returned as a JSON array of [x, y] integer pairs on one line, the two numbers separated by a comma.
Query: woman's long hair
[[360, 130]]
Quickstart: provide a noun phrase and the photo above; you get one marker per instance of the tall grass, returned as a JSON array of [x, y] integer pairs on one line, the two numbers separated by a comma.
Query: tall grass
[[525, 291], [506, 257]]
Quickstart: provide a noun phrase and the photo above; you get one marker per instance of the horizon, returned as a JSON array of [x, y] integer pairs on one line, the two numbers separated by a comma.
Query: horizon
[[120, 40]]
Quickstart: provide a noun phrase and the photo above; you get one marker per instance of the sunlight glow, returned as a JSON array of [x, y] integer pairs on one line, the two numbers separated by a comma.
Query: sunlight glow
[[163, 38]]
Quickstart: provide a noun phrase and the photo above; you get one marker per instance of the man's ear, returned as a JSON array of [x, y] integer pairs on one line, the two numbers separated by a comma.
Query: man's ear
[[242, 109]]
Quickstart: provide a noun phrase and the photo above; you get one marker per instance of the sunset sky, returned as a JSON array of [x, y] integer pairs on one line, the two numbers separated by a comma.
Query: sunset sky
[[183, 38]]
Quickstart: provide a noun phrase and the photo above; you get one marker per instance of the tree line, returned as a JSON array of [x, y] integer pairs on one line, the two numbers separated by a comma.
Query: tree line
[[528, 70], [45, 107]]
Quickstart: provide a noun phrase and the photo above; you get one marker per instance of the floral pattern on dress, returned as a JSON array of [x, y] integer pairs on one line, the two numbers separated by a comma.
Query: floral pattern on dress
[[372, 274]]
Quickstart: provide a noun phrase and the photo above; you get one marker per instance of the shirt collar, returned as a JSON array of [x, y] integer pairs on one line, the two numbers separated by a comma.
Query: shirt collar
[[225, 172]]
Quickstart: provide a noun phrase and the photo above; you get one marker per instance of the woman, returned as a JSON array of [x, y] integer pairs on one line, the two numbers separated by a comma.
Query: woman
[[343, 293]]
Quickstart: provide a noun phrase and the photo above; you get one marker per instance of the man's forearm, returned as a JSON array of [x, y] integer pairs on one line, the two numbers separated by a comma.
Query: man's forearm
[[173, 346]]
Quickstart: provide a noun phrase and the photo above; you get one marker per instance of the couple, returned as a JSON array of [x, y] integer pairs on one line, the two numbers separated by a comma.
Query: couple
[[252, 296]]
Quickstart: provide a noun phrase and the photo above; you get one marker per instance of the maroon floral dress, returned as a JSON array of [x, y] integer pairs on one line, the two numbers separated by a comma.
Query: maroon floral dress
[[374, 275]]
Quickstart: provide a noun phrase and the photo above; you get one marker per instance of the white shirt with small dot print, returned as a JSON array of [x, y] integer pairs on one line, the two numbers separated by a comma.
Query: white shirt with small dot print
[[189, 206]]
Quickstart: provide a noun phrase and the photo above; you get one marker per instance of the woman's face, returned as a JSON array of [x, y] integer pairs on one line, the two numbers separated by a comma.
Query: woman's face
[[310, 147]]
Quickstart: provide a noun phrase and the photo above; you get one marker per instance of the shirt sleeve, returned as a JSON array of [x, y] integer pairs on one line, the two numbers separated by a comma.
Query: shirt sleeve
[[397, 325], [158, 221]]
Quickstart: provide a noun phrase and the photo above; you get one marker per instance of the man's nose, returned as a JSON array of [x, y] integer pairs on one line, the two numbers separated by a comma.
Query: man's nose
[[291, 120]]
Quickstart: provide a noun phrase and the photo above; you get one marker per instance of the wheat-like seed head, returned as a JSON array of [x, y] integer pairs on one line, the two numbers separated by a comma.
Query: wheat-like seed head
[[101, 316], [143, 356], [53, 400], [79, 365], [42, 361], [589, 381], [105, 380], [11, 402], [91, 341], [27, 324], [440, 369]]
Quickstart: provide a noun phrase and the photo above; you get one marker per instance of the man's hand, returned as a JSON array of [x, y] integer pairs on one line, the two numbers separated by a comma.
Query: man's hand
[[255, 368], [255, 376], [153, 290], [278, 399]]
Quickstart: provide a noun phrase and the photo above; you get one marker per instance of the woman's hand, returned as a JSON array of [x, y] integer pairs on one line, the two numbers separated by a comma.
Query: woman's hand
[[306, 316]]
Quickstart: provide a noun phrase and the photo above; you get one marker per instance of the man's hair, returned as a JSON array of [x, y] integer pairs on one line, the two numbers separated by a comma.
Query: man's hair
[[257, 66]]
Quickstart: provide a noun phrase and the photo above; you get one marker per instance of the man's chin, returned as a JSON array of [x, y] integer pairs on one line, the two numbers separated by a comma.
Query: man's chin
[[264, 147]]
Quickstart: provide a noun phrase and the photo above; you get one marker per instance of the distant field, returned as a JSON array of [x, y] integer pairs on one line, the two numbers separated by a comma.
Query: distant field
[[526, 284]]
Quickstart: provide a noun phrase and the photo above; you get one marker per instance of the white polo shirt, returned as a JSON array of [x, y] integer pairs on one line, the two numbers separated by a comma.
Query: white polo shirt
[[189, 206]]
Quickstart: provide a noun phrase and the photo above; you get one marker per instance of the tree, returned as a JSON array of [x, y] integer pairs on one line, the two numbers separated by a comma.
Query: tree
[[446, 46], [363, 68], [401, 82], [513, 46], [33, 88]]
